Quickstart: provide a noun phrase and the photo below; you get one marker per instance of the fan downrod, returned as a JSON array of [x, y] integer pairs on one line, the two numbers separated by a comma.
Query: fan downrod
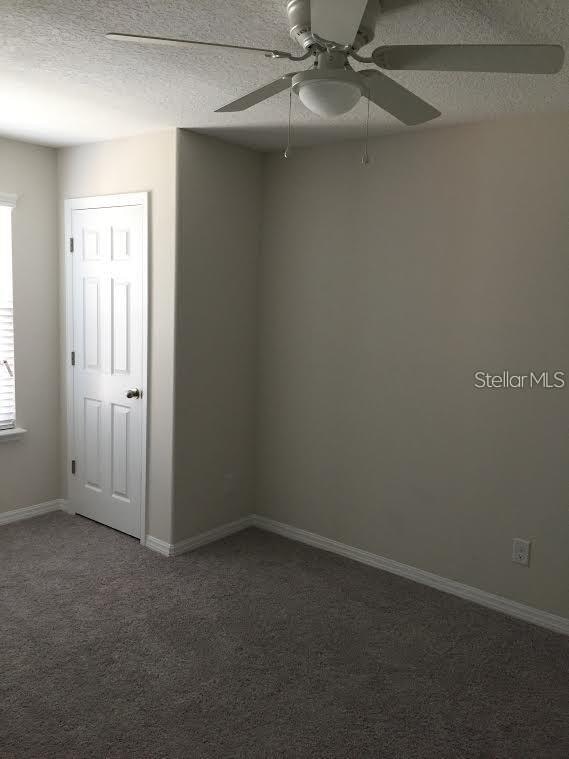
[[298, 14]]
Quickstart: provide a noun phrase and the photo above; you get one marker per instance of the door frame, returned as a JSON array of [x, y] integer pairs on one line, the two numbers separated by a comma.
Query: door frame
[[104, 201]]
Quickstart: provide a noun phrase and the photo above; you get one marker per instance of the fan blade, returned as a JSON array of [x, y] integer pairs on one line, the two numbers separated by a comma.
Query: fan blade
[[515, 59], [336, 20], [397, 100], [257, 96], [183, 43]]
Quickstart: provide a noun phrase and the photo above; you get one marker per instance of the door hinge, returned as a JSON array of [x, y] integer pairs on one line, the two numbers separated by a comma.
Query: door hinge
[[71, 245], [73, 466], [72, 358]]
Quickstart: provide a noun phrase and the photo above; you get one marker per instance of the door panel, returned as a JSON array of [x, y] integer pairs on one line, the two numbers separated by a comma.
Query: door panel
[[92, 443], [119, 454], [91, 323], [120, 317], [108, 316]]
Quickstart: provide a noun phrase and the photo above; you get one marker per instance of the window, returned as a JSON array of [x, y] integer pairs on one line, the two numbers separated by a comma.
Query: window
[[7, 369]]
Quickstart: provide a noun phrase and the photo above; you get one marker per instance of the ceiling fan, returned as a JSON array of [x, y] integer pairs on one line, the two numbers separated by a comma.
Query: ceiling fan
[[332, 31]]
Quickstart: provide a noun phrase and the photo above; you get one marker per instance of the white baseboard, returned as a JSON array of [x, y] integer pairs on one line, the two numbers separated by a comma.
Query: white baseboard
[[498, 603], [160, 546], [67, 507], [212, 535], [469, 593], [190, 544], [27, 512]]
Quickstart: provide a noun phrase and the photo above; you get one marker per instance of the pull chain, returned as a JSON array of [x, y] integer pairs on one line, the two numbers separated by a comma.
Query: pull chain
[[289, 139], [365, 155]]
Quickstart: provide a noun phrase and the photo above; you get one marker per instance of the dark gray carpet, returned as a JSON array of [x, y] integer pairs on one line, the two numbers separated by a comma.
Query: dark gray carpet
[[257, 647]]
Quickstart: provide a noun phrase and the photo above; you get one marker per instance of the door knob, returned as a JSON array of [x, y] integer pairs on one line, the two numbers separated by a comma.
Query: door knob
[[134, 393]]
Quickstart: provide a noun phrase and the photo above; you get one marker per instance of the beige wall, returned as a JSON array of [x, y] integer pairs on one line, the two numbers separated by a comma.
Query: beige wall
[[379, 292], [219, 223], [146, 163], [30, 467], [382, 290]]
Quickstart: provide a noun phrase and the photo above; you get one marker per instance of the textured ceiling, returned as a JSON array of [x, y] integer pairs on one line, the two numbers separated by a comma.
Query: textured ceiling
[[62, 83]]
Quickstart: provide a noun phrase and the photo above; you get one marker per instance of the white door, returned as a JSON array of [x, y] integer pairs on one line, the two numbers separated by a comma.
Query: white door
[[108, 375]]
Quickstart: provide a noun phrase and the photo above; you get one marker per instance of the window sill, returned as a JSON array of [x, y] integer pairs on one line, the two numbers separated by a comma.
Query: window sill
[[15, 433]]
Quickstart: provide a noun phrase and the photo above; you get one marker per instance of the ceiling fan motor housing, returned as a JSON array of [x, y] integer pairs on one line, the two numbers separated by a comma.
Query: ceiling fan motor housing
[[298, 12]]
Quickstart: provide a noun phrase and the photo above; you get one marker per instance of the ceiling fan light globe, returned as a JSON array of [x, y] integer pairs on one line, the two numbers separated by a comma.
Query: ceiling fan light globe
[[327, 97]]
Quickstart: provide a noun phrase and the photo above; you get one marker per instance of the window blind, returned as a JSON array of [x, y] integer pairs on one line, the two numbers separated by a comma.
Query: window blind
[[7, 383], [7, 368]]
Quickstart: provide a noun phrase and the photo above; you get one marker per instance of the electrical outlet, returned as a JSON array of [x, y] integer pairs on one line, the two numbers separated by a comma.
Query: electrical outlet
[[520, 551]]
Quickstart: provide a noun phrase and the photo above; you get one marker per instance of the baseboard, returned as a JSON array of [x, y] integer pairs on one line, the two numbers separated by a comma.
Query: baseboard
[[66, 506], [160, 546], [190, 544], [469, 593], [27, 512], [212, 535]]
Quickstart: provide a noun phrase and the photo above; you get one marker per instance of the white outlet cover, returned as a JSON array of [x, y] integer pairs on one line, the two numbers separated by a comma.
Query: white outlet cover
[[521, 551]]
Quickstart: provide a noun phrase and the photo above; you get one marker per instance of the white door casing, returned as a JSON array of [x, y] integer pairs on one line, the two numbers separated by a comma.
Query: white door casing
[[107, 332]]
